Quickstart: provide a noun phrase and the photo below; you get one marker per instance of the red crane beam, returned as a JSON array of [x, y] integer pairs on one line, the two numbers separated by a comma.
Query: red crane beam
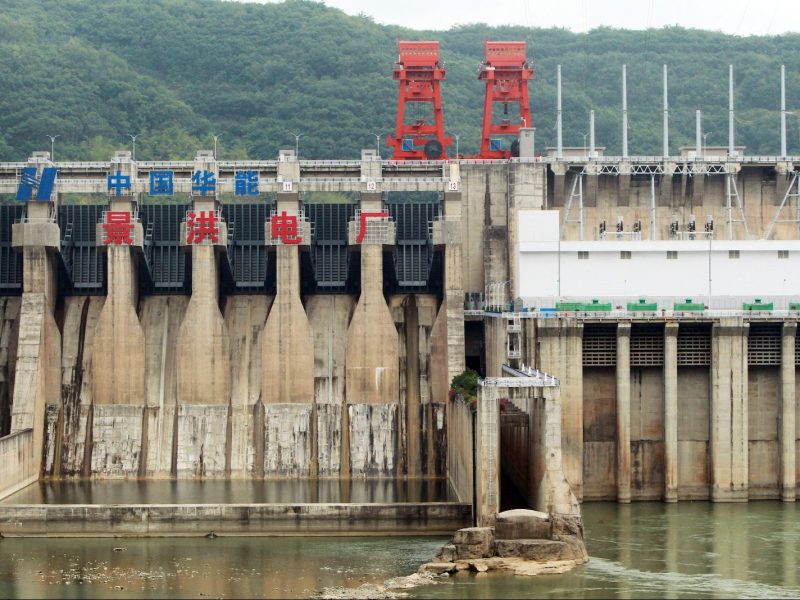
[[506, 73], [419, 74]]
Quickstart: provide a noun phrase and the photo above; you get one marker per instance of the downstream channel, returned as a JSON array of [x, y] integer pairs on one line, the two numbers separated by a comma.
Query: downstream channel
[[690, 549]]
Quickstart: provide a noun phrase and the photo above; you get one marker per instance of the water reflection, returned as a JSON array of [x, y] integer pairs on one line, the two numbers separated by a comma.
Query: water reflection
[[692, 549], [191, 568], [235, 492]]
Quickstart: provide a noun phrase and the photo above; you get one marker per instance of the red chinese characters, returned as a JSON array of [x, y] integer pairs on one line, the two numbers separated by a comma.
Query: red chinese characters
[[202, 225], [118, 228], [362, 226], [284, 226]]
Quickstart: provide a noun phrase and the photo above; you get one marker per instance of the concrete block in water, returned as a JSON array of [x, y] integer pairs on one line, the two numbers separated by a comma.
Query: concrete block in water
[[201, 440], [373, 438], [117, 440], [287, 449]]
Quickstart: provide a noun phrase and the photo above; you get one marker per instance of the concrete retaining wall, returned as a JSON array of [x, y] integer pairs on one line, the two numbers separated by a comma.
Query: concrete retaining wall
[[137, 520], [459, 447], [17, 465]]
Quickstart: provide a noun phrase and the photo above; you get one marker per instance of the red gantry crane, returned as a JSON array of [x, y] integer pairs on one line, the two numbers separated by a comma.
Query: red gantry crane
[[419, 72], [506, 73]]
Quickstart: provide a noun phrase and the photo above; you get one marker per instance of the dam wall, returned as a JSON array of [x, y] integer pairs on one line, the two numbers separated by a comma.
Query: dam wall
[[286, 379], [86, 438]]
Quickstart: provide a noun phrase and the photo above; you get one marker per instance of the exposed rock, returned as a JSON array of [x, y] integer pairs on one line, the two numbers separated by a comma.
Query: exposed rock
[[566, 525], [474, 542], [438, 568], [577, 549], [556, 548], [448, 553], [530, 568], [478, 566], [521, 524], [538, 550]]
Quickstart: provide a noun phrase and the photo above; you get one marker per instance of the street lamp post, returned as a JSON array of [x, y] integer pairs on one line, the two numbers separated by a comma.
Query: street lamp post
[[216, 137], [53, 147], [133, 138], [705, 144], [585, 135], [297, 137], [378, 143], [455, 135]]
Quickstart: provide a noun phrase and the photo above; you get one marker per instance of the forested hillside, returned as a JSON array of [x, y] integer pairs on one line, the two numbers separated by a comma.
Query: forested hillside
[[177, 72]]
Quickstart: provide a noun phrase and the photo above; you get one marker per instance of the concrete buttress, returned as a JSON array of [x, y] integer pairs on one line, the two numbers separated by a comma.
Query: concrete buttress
[[671, 412], [560, 352], [203, 367], [372, 372], [729, 418], [787, 420], [287, 373], [624, 412], [119, 368], [37, 377]]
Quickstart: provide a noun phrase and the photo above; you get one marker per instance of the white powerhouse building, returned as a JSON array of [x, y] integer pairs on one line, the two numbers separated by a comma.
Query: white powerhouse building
[[723, 274]]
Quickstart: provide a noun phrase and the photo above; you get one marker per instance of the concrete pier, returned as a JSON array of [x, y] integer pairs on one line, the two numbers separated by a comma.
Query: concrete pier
[[624, 412], [118, 385], [287, 347], [555, 346], [37, 377], [729, 448], [788, 415], [671, 412], [372, 370], [203, 352]]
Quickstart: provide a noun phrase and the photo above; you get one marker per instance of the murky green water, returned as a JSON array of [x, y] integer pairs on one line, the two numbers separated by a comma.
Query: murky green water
[[641, 550]]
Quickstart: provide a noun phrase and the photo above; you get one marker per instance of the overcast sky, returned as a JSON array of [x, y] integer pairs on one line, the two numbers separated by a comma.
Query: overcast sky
[[739, 17]]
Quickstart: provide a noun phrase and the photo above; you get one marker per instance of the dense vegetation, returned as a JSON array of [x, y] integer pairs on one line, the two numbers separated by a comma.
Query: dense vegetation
[[178, 71]]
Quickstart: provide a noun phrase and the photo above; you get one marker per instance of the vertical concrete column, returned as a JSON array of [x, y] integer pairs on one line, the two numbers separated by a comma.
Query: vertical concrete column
[[447, 336], [37, 378], [665, 187], [287, 344], [118, 378], [699, 185], [624, 412], [671, 412], [495, 347], [559, 184], [591, 183], [372, 356], [560, 343], [203, 350], [487, 475], [454, 286], [545, 472], [624, 183], [788, 440], [729, 431]]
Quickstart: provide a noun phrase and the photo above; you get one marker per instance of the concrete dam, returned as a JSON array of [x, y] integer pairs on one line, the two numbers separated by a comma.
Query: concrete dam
[[624, 355]]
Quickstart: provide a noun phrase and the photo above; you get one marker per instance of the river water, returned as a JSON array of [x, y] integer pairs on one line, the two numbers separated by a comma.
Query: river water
[[641, 550]]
